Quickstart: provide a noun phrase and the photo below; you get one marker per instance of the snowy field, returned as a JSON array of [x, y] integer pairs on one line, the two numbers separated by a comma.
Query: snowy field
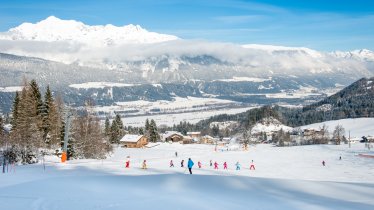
[[357, 127], [285, 178], [171, 119]]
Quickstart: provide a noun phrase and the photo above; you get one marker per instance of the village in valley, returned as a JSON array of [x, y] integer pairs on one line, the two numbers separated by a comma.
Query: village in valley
[[267, 131]]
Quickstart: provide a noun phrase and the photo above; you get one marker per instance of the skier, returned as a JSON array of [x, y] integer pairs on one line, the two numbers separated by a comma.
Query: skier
[[182, 163], [215, 165], [190, 165], [340, 157], [176, 154], [237, 166], [225, 165], [199, 164], [211, 163], [144, 165], [323, 162], [171, 164], [128, 162], [252, 166]]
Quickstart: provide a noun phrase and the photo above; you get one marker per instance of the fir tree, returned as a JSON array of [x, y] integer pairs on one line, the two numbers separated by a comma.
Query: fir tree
[[15, 110], [119, 125], [52, 120], [107, 126], [141, 131], [114, 133], [153, 133]]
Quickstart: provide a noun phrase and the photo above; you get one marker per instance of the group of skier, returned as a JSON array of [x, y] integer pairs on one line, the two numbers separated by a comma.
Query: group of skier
[[190, 164]]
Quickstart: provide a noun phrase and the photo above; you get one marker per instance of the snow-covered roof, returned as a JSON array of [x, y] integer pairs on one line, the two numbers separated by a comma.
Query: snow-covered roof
[[167, 134], [194, 133], [207, 137], [131, 138]]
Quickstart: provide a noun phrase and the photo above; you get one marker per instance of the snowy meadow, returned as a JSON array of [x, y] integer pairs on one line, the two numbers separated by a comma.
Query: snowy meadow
[[284, 178]]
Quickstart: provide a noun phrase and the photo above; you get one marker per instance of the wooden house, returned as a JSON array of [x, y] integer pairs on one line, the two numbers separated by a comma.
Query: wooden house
[[207, 140], [133, 141], [172, 136]]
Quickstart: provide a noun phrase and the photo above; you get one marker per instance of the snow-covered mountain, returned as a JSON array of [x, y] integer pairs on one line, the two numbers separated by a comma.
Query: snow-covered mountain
[[64, 52], [54, 29]]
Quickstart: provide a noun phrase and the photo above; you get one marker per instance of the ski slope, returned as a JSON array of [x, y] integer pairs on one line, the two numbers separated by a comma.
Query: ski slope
[[357, 127], [285, 178]]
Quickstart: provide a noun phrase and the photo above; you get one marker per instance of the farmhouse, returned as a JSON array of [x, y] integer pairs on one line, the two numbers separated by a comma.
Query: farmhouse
[[133, 141], [172, 136], [207, 140]]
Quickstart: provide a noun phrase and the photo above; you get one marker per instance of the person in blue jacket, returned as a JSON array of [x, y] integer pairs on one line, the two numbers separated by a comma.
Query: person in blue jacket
[[189, 165]]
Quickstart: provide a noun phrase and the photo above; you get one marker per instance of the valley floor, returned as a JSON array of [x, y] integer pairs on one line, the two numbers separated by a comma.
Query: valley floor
[[285, 178]]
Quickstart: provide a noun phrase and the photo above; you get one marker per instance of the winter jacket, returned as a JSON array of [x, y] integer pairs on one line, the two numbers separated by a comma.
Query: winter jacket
[[190, 163]]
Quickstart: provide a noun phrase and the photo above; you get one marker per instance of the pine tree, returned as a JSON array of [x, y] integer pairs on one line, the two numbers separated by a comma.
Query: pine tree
[[147, 128], [114, 133], [52, 120], [141, 131], [15, 110], [153, 133], [1, 131], [119, 125], [27, 134], [107, 126]]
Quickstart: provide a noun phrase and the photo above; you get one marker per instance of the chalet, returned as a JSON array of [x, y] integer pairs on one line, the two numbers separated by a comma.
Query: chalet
[[194, 135], [172, 136], [206, 140], [133, 141], [187, 140]]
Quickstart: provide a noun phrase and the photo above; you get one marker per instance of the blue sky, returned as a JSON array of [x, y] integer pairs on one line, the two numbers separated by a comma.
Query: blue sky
[[319, 24]]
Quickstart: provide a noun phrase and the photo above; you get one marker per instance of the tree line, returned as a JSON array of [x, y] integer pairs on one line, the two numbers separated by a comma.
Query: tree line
[[38, 125]]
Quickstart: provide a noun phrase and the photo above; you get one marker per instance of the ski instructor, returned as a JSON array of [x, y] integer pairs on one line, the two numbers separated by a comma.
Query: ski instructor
[[189, 165]]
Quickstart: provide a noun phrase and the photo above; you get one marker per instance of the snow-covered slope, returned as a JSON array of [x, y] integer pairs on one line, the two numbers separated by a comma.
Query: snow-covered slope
[[269, 124], [286, 178], [54, 29], [357, 127]]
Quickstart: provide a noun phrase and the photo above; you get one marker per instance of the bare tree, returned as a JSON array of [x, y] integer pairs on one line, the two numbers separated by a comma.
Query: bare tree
[[338, 134]]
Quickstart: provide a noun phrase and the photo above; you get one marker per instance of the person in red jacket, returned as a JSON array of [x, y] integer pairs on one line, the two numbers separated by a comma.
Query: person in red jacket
[[199, 164], [215, 165], [225, 165], [252, 166], [128, 162]]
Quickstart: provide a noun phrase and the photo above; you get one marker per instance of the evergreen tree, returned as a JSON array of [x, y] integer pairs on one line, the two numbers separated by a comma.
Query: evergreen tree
[[2, 134], [153, 133], [147, 128], [107, 126], [15, 110], [52, 120], [114, 133], [119, 125], [141, 131]]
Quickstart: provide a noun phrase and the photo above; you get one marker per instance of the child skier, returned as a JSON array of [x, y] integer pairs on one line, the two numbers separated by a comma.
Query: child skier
[[211, 163], [128, 162], [182, 163], [199, 164], [171, 164], [215, 165], [252, 166], [237, 166], [225, 165], [144, 165]]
